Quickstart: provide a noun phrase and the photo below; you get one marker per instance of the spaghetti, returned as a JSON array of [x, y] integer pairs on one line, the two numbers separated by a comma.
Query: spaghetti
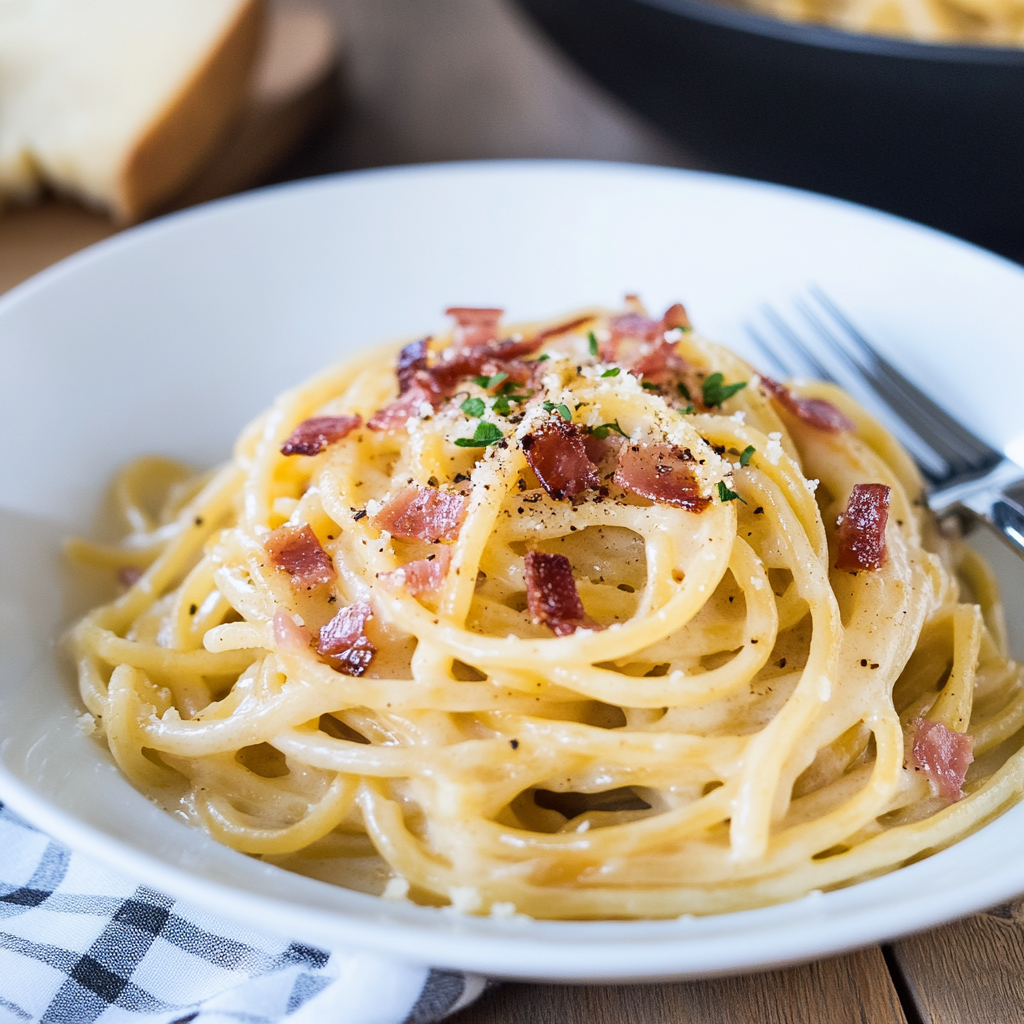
[[977, 22], [549, 621]]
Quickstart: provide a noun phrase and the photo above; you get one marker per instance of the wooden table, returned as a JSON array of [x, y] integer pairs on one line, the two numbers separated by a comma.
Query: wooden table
[[463, 79]]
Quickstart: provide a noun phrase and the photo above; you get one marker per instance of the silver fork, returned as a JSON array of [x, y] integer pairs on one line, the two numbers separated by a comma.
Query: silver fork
[[966, 478]]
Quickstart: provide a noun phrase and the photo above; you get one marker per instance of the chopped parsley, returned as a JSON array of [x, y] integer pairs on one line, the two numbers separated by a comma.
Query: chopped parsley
[[613, 372], [500, 405], [747, 454], [683, 390], [688, 411], [473, 406], [648, 386], [605, 429], [541, 359], [716, 391], [592, 342], [561, 409], [486, 433], [491, 382], [724, 494]]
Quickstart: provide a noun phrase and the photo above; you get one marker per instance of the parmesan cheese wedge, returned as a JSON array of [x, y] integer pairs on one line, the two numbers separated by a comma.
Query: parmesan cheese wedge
[[117, 102]]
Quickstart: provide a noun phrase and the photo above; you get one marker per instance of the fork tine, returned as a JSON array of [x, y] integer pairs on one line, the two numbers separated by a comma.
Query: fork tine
[[934, 467], [941, 423], [820, 370], [768, 352], [899, 403]]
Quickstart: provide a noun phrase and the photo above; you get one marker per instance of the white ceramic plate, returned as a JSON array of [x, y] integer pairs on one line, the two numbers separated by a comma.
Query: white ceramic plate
[[170, 337]]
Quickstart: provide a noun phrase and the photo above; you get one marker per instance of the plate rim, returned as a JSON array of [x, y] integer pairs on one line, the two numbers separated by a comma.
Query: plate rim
[[512, 941]]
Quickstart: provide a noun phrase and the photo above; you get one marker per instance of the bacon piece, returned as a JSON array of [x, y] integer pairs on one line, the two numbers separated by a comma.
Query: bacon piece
[[862, 528], [557, 453], [345, 642], [636, 325], [817, 412], [296, 550], [396, 415], [475, 326], [424, 576], [943, 755], [551, 594], [676, 316], [628, 332], [288, 634], [423, 513], [411, 360], [312, 436], [661, 473], [657, 361], [638, 342]]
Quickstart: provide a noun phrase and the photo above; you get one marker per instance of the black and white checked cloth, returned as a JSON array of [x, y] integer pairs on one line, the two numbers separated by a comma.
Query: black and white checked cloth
[[80, 944]]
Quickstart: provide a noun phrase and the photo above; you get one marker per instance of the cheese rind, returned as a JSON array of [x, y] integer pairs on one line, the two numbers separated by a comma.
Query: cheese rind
[[118, 101]]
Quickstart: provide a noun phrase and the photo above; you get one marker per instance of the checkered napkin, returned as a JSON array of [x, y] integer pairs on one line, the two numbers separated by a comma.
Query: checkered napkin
[[80, 944]]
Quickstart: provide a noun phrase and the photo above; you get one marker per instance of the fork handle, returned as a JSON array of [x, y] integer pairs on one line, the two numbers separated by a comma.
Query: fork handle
[[996, 498]]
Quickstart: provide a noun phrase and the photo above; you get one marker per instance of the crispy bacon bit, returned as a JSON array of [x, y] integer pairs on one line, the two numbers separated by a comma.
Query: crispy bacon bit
[[661, 473], [636, 325], [345, 642], [817, 412], [944, 756], [475, 326], [676, 316], [312, 436], [288, 634], [638, 343], [862, 528], [551, 595], [412, 359], [296, 550], [557, 453], [423, 513], [658, 360], [396, 415], [424, 576]]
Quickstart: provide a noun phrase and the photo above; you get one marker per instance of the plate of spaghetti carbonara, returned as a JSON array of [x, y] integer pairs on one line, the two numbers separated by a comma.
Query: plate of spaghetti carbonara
[[520, 634]]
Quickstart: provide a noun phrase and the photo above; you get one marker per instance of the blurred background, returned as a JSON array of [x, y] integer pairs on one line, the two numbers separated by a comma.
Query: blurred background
[[913, 106]]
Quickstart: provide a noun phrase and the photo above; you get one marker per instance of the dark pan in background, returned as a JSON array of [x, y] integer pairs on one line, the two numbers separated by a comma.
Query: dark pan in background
[[934, 133]]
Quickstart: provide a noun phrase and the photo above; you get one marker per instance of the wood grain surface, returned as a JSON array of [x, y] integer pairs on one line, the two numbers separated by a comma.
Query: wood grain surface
[[854, 989], [968, 972]]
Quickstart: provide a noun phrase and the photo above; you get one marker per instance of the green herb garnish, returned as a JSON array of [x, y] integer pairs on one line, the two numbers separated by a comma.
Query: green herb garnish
[[648, 386], [563, 411], [688, 411], [473, 406], [500, 405], [613, 372], [716, 391], [747, 454], [683, 390], [605, 429], [490, 382], [541, 359], [486, 433], [592, 341], [724, 494]]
